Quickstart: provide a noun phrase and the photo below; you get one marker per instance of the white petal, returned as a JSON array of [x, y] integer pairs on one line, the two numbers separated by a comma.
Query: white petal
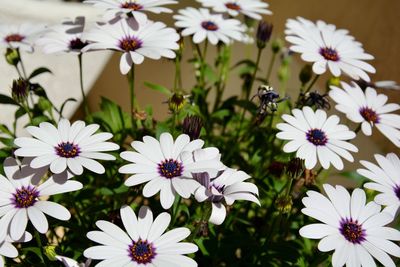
[[38, 219], [53, 209]]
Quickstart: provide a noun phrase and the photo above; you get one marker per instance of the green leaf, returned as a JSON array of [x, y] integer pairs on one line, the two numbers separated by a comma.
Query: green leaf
[[39, 119], [110, 115], [39, 71], [4, 129], [202, 247], [7, 141], [220, 114], [159, 88], [4, 99]]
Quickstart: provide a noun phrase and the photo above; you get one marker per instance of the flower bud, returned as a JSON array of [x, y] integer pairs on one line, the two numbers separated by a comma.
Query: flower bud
[[295, 167], [20, 90], [12, 56], [176, 102], [192, 126], [44, 104], [50, 252], [306, 74], [263, 35], [284, 204], [277, 45], [335, 81]]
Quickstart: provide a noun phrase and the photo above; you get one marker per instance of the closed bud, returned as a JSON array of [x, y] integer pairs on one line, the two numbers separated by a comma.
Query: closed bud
[[295, 167], [44, 104], [176, 102], [263, 35], [12, 56], [192, 126], [50, 252], [20, 90], [335, 81], [284, 204], [306, 74], [277, 45]]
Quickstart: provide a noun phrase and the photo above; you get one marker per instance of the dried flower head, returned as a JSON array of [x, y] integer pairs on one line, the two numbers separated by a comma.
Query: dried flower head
[[192, 126]]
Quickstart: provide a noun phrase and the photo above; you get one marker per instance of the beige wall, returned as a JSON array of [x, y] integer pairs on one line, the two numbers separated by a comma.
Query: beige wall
[[372, 22]]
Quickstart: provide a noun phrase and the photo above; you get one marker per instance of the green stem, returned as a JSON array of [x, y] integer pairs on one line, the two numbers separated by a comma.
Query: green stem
[[131, 78], [223, 75], [25, 105], [204, 218], [41, 248], [311, 84], [85, 105], [358, 129], [22, 65], [271, 64]]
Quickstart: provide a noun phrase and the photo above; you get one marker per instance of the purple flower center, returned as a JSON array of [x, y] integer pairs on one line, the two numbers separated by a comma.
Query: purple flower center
[[170, 168], [397, 191], [352, 231], [369, 115], [77, 44], [25, 197], [317, 137], [329, 54], [233, 6], [68, 150], [209, 25], [142, 252], [14, 38], [132, 5], [130, 43]]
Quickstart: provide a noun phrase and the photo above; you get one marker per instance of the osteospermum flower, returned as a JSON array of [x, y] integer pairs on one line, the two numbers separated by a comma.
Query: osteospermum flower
[[66, 147], [329, 48], [168, 166], [66, 37], [213, 27], [313, 136], [385, 179], [136, 40], [355, 230], [135, 8], [230, 186], [20, 201], [368, 108], [8, 250], [143, 244], [20, 36], [251, 8]]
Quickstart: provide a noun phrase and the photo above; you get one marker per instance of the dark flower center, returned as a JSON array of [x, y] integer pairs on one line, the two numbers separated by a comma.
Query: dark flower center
[[77, 44], [130, 43], [142, 252], [233, 6], [369, 115], [317, 137], [25, 197], [132, 5], [329, 54], [397, 191], [170, 168], [14, 38], [352, 231], [209, 25], [68, 150]]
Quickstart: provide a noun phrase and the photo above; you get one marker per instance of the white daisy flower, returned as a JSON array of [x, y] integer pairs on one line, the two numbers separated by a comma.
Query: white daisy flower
[[168, 166], [328, 47], [229, 185], [135, 8], [313, 136], [368, 108], [213, 27], [251, 8], [385, 179], [66, 37], [354, 229], [390, 85], [68, 147], [136, 40], [68, 262], [8, 250], [143, 243], [20, 201], [20, 36]]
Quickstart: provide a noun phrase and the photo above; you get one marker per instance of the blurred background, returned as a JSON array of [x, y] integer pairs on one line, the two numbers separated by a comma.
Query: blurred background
[[373, 23]]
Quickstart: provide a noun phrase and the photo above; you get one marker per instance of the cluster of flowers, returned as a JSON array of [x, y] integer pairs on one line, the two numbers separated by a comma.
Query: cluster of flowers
[[172, 168], [356, 230]]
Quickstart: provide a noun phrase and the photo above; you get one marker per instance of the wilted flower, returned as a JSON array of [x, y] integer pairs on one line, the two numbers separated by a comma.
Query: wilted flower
[[284, 204], [20, 90], [176, 102], [295, 167], [314, 99], [263, 35]]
